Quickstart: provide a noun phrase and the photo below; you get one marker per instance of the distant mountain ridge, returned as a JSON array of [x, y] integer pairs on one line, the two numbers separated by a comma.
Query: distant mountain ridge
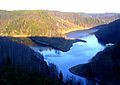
[[44, 22], [106, 17]]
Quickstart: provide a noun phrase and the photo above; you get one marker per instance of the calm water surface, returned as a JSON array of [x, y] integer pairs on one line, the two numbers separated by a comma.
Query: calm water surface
[[79, 53]]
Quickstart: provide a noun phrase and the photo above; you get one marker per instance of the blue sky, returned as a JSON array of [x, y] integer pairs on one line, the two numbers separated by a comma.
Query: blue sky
[[88, 6]]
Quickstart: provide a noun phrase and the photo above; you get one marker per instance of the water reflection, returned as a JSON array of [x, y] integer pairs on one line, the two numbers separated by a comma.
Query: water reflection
[[57, 52], [78, 54]]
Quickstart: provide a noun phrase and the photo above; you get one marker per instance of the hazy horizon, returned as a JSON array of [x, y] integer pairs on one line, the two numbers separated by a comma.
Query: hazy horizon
[[85, 6], [62, 11]]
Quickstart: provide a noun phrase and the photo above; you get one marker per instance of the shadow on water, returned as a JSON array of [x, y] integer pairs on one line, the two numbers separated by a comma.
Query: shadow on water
[[79, 53]]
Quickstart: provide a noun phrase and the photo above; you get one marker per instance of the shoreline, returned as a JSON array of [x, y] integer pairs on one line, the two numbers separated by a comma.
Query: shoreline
[[59, 43], [82, 75]]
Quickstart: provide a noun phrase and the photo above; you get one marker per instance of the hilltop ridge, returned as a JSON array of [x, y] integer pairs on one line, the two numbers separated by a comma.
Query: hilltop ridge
[[44, 22]]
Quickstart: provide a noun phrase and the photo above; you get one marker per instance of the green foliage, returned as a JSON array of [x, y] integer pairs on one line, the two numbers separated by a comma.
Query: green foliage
[[41, 22], [8, 62], [61, 75], [53, 70], [11, 76]]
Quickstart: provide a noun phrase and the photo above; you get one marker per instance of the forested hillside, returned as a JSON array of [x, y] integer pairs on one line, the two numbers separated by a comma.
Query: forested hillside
[[78, 19], [109, 33], [43, 22]]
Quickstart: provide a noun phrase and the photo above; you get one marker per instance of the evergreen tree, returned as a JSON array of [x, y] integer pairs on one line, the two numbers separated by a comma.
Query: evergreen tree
[[61, 75]]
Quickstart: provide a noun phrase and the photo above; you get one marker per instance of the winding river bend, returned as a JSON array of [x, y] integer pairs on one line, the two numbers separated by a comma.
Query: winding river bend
[[79, 53]]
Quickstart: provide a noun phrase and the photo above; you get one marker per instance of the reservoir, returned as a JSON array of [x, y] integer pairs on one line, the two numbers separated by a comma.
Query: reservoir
[[79, 53]]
